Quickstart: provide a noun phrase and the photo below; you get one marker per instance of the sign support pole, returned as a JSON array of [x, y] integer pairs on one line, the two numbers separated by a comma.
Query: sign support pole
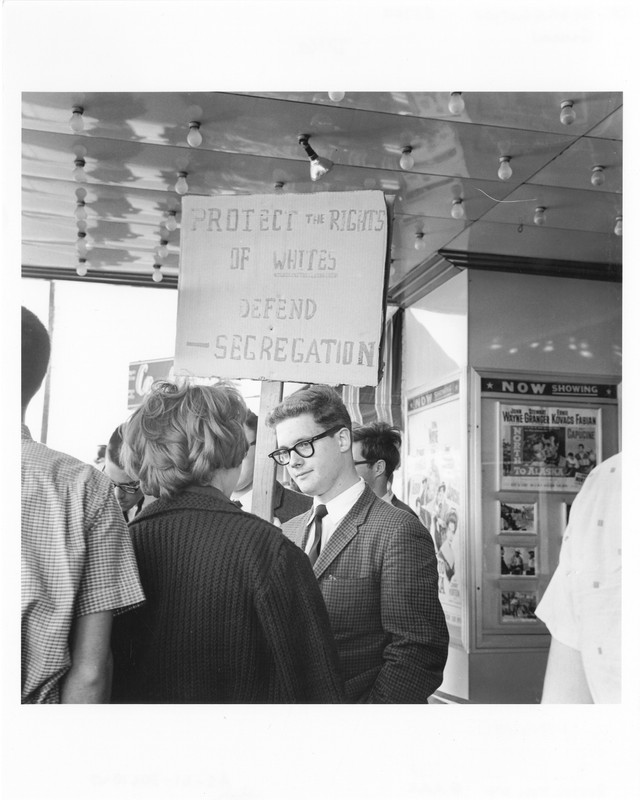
[[264, 479]]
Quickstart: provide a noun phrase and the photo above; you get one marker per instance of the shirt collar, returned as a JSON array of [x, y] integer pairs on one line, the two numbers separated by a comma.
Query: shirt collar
[[26, 433], [343, 503]]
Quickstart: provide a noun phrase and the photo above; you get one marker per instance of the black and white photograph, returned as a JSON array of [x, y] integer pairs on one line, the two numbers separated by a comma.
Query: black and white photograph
[[518, 561], [518, 606], [310, 380], [517, 517]]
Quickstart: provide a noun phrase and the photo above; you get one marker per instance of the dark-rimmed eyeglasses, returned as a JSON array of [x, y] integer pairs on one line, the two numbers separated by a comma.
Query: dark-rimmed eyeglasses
[[356, 463], [129, 488], [304, 448]]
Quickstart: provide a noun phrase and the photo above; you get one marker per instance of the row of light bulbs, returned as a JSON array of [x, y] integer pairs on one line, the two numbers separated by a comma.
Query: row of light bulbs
[[505, 171], [319, 166], [539, 218], [457, 105], [456, 101]]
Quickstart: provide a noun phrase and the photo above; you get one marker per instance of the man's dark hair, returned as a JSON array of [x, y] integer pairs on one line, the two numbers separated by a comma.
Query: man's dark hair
[[379, 440], [36, 349], [115, 446], [322, 402], [251, 421]]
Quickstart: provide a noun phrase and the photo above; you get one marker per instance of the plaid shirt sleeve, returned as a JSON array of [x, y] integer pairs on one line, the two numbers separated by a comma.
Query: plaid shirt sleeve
[[110, 580]]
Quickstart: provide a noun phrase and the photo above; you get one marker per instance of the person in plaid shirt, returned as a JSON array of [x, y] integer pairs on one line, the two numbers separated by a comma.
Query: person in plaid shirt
[[78, 566], [376, 564]]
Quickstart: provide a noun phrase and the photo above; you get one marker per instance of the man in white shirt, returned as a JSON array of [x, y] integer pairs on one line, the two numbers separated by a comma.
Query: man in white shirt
[[375, 564], [582, 604]]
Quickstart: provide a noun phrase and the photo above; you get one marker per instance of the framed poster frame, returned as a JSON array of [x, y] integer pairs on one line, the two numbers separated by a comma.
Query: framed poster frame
[[539, 500]]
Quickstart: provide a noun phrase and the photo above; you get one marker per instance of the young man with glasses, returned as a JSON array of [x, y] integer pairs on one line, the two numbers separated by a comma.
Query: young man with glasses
[[286, 504], [375, 564], [126, 489], [376, 454]]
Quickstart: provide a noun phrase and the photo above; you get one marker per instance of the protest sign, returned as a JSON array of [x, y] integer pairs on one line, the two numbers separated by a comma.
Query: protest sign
[[283, 287]]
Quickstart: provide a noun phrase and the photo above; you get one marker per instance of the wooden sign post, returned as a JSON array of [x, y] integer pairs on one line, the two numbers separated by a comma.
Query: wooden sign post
[[264, 479], [282, 288]]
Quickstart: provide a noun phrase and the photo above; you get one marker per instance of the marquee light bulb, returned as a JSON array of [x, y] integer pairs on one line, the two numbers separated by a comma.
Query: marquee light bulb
[[194, 137], [76, 122], [504, 170], [161, 251], [81, 211], [567, 114], [171, 223], [81, 246], [457, 209], [456, 103], [81, 269], [336, 97], [597, 176], [618, 228], [81, 225], [78, 171], [420, 242], [182, 187], [406, 159], [539, 216], [157, 273]]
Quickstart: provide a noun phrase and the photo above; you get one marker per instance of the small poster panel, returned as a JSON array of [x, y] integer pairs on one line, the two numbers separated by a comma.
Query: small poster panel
[[520, 561], [283, 287], [518, 518], [519, 606], [435, 489], [548, 448]]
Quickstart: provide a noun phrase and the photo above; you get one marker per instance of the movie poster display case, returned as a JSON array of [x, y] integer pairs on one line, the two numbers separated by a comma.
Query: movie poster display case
[[538, 441]]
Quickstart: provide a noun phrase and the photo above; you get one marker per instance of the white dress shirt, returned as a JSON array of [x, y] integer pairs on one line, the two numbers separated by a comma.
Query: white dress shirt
[[582, 604], [245, 499], [337, 510]]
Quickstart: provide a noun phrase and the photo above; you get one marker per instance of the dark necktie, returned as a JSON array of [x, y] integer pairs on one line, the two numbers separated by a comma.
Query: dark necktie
[[321, 511]]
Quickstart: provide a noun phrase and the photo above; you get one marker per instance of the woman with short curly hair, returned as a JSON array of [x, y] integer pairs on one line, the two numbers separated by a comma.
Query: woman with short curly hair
[[234, 613]]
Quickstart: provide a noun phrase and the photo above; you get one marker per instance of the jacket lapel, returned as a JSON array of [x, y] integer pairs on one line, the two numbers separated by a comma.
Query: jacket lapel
[[298, 532], [278, 496], [345, 531]]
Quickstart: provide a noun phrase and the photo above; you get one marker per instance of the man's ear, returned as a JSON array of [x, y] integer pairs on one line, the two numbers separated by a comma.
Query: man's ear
[[380, 467], [344, 439]]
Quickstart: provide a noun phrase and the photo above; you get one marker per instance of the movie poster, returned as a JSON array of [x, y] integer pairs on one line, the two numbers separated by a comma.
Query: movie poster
[[434, 471], [548, 448]]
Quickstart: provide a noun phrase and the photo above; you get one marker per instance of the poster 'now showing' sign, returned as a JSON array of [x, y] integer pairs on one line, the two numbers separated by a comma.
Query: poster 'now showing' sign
[[283, 287]]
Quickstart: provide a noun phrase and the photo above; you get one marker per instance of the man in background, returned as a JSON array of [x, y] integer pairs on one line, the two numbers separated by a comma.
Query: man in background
[[375, 563], [126, 489], [376, 455], [286, 504], [582, 604], [78, 567]]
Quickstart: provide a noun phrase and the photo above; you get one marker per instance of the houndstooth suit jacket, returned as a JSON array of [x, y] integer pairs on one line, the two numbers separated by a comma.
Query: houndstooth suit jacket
[[379, 580]]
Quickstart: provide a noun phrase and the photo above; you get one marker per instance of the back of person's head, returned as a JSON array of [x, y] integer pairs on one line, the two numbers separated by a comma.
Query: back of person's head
[[251, 421], [114, 447], [322, 402], [182, 435], [36, 349], [380, 441]]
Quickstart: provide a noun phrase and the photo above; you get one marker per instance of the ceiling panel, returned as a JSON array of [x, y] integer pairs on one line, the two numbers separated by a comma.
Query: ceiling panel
[[134, 146]]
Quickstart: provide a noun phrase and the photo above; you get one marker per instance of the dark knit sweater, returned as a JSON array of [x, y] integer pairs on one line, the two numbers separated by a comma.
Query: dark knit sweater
[[233, 613]]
